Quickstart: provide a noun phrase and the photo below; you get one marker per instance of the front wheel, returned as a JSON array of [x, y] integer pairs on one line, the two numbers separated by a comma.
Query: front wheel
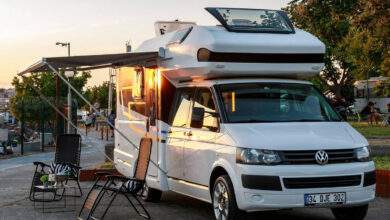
[[350, 213], [224, 200], [150, 195]]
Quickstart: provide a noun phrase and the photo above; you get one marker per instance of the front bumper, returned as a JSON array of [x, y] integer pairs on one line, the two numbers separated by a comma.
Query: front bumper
[[255, 200]]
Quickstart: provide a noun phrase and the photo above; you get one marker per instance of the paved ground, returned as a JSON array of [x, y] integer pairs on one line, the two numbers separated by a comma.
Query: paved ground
[[16, 173]]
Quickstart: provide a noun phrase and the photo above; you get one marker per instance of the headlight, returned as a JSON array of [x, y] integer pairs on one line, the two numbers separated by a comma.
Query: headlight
[[363, 154], [257, 156]]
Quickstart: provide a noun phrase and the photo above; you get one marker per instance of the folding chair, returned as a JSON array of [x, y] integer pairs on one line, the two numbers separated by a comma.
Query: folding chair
[[94, 196], [68, 151], [119, 185]]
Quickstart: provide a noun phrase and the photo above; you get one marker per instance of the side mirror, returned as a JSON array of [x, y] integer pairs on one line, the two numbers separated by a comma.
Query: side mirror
[[151, 120], [197, 117]]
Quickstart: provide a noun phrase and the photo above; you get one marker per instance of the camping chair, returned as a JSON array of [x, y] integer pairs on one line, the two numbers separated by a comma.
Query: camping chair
[[67, 153], [119, 185], [94, 195]]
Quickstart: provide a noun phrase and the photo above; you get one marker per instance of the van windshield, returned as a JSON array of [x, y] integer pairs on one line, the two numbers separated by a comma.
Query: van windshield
[[274, 102]]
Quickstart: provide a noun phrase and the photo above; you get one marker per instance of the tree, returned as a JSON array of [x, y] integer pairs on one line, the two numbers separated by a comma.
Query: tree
[[99, 94], [27, 103], [370, 42], [356, 35]]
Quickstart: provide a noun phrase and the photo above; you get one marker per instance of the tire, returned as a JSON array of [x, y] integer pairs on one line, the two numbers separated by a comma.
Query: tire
[[150, 194], [224, 200], [350, 213]]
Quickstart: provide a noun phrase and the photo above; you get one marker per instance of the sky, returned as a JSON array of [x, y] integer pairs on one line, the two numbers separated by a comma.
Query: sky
[[29, 29]]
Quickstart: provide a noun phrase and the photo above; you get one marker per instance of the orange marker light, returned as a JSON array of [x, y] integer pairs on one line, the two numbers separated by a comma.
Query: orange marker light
[[233, 101]]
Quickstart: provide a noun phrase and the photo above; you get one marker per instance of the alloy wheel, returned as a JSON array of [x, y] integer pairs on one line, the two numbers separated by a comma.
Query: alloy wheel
[[221, 201]]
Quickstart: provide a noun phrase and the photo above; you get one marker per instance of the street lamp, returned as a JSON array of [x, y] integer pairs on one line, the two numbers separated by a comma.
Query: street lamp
[[68, 74], [66, 44]]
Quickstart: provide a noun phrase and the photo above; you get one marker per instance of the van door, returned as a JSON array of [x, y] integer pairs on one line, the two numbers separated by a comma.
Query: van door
[[178, 132], [200, 148]]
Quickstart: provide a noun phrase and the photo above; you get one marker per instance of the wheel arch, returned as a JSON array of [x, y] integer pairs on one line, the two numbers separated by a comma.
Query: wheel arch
[[221, 167]]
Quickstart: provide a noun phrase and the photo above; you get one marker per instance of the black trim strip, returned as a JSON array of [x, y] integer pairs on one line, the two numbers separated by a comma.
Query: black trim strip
[[264, 57], [261, 182], [369, 178], [322, 182]]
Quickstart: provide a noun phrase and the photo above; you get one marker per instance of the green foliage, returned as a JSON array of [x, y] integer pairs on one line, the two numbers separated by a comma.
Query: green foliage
[[371, 131], [27, 104], [44, 179], [99, 94], [356, 34], [382, 162]]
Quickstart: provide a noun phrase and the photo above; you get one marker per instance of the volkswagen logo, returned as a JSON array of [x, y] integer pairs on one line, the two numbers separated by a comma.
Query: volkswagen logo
[[321, 157]]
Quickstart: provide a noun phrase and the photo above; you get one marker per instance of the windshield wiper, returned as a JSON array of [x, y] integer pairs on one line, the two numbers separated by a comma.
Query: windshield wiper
[[253, 121], [307, 120]]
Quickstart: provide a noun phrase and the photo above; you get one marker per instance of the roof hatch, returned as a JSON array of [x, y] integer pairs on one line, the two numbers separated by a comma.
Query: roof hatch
[[253, 20]]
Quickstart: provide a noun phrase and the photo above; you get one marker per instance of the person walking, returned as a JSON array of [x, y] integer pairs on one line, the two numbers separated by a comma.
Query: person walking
[[111, 120]]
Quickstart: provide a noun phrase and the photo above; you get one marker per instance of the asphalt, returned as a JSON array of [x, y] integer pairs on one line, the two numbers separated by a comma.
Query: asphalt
[[15, 180]]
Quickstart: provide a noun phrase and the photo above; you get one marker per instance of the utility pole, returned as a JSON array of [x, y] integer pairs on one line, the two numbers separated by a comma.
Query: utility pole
[[110, 87], [367, 84], [69, 126]]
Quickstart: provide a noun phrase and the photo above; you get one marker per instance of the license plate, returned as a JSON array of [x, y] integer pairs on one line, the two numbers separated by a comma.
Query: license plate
[[320, 199]]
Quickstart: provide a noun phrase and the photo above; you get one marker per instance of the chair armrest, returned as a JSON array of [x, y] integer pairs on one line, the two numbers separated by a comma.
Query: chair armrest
[[38, 163], [120, 178], [72, 166]]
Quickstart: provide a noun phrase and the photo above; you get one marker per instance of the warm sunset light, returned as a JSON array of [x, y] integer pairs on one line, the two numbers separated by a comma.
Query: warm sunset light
[[195, 109], [29, 29]]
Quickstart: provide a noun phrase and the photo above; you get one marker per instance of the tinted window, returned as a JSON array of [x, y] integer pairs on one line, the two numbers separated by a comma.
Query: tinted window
[[182, 108], [204, 99], [274, 102], [252, 20], [180, 36], [168, 90]]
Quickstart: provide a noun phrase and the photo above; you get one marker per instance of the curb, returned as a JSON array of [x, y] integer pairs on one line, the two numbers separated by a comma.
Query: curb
[[89, 175], [383, 183]]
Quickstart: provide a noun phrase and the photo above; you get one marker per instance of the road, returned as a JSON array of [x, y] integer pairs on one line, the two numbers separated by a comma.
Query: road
[[15, 180]]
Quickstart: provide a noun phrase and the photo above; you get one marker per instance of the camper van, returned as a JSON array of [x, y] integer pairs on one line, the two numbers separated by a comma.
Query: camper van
[[235, 123]]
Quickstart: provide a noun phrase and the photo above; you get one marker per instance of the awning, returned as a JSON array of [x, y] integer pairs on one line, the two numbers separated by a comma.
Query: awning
[[89, 62]]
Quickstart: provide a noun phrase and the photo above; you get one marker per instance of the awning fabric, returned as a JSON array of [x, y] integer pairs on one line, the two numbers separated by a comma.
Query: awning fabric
[[89, 62]]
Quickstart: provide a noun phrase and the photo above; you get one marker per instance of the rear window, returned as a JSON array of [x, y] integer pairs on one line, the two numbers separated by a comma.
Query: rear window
[[180, 36]]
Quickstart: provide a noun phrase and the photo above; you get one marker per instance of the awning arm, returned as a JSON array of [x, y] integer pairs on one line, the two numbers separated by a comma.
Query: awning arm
[[96, 110]]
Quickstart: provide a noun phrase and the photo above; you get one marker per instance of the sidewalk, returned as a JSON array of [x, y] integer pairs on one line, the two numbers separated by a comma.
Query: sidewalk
[[15, 180]]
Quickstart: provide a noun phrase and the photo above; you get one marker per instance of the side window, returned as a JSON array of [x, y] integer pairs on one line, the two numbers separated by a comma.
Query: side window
[[204, 99], [131, 90], [182, 108], [167, 100]]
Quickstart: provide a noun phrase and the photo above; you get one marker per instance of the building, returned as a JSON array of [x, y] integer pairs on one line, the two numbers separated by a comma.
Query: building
[[375, 93], [5, 96]]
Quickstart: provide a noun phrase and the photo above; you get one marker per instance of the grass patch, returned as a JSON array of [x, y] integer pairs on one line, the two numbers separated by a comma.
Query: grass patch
[[382, 162], [370, 131]]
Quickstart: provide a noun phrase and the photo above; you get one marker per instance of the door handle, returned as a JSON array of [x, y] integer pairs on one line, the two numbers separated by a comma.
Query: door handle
[[188, 133]]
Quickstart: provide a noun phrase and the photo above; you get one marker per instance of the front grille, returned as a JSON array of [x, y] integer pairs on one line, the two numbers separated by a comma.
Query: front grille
[[308, 156], [322, 182]]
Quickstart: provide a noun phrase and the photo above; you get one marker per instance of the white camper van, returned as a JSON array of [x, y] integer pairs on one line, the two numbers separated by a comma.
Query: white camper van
[[234, 124]]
